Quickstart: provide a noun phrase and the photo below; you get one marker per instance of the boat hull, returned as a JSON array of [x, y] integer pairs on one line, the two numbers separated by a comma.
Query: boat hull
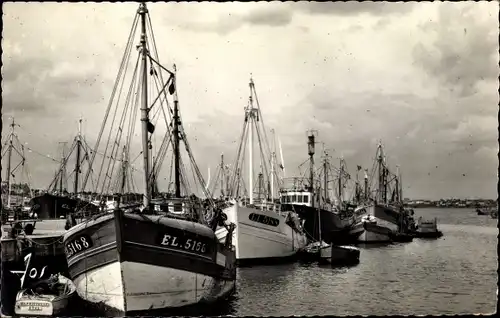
[[436, 234], [344, 255], [261, 235], [371, 233], [45, 305], [330, 221], [50, 206], [138, 263]]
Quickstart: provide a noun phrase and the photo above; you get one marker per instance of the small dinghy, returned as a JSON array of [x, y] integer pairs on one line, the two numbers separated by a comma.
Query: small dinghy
[[43, 293], [317, 251], [427, 229], [481, 212], [344, 255], [49, 297]]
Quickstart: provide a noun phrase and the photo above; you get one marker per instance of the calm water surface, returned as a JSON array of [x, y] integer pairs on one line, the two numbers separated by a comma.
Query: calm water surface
[[455, 274]]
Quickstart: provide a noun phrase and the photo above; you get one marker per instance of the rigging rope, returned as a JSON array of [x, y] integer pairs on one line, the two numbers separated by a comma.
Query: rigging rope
[[118, 76]]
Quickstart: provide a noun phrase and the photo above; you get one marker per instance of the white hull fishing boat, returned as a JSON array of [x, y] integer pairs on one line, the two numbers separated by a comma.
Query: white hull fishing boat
[[165, 256], [369, 229], [262, 234], [262, 231]]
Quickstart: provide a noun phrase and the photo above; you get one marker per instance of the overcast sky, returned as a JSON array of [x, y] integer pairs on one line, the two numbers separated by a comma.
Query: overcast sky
[[423, 77]]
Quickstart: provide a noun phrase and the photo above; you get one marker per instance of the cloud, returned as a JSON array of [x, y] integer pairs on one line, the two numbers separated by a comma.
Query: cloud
[[310, 72], [276, 15], [348, 8], [464, 48]]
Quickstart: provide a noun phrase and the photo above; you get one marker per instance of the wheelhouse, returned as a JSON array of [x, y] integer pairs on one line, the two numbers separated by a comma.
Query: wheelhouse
[[298, 198]]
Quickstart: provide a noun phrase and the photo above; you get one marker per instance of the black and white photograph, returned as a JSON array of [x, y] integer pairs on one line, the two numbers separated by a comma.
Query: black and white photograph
[[281, 158]]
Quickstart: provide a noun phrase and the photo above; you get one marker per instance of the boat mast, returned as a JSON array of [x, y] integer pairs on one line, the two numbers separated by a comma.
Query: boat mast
[[251, 113], [9, 157], [341, 172], [62, 175], [124, 171], [400, 188], [144, 107], [310, 147], [380, 173], [325, 175], [177, 169], [77, 164], [273, 159], [397, 184], [222, 174], [366, 185]]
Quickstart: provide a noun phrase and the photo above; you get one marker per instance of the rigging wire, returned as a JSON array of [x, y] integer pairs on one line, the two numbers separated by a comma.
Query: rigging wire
[[118, 76]]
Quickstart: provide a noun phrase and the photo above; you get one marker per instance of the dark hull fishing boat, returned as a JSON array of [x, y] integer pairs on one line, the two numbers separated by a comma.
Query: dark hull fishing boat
[[165, 256], [322, 220], [53, 206], [331, 222], [58, 202], [383, 219]]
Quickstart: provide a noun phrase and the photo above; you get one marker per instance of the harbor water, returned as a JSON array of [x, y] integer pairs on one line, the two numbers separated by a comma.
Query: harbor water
[[455, 274]]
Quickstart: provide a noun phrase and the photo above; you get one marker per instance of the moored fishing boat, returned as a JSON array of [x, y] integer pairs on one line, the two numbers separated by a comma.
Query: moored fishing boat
[[310, 199], [427, 229], [368, 230], [165, 255], [263, 233], [57, 203]]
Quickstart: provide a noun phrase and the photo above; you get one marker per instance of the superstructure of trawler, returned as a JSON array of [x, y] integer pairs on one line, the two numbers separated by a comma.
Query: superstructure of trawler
[[310, 198]]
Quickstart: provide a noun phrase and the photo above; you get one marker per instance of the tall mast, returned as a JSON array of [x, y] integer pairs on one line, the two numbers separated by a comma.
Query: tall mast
[[251, 112], [9, 157], [124, 171], [380, 172], [366, 185], [341, 172], [62, 174], [144, 107], [77, 164], [273, 159], [222, 175], [357, 189], [325, 175], [177, 169], [400, 188], [310, 149]]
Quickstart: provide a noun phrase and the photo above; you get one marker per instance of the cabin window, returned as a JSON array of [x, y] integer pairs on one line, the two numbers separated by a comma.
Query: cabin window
[[288, 199], [294, 198], [306, 199], [300, 199], [263, 219]]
